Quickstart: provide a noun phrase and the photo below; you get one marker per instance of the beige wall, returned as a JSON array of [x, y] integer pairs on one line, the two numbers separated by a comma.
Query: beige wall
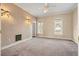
[[48, 27], [78, 23], [14, 24], [75, 25], [0, 30]]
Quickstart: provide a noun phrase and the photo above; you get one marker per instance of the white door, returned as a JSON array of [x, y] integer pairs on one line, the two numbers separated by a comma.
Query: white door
[[33, 29]]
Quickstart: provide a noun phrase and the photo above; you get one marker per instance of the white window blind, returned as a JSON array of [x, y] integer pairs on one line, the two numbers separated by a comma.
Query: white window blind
[[58, 27], [40, 28]]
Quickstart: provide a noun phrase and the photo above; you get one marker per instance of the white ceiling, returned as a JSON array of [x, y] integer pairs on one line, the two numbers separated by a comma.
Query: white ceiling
[[36, 9]]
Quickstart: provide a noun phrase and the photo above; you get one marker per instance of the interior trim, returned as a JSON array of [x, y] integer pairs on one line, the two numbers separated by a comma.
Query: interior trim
[[55, 38], [13, 44]]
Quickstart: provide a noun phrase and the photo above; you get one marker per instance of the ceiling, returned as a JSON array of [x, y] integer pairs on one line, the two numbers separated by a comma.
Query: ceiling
[[36, 9]]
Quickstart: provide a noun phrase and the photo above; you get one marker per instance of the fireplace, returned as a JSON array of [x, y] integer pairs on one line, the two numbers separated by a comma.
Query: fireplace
[[18, 37]]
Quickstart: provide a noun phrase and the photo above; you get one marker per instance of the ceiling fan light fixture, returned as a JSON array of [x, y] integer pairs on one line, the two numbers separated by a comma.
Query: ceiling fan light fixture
[[46, 4], [45, 11], [45, 8]]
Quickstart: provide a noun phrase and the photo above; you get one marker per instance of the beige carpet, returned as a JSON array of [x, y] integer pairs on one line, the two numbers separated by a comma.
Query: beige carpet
[[43, 47]]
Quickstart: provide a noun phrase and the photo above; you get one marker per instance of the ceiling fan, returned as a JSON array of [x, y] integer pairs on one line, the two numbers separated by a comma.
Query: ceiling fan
[[46, 7]]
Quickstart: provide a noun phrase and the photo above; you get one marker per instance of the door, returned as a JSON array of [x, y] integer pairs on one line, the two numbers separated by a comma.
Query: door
[[34, 29]]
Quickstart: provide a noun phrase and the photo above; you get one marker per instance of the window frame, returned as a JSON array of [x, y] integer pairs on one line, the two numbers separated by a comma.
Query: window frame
[[58, 23]]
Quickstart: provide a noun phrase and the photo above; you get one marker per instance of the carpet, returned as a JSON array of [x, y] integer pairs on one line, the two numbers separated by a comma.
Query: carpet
[[43, 47]]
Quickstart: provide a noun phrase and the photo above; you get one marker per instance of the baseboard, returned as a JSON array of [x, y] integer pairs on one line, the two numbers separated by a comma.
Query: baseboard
[[13, 44], [56, 38], [75, 41]]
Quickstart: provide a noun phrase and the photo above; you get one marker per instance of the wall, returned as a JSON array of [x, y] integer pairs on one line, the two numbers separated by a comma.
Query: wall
[[78, 23], [48, 27], [15, 24], [75, 25], [0, 30]]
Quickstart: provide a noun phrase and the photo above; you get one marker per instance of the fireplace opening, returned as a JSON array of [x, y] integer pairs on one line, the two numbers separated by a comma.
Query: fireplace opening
[[18, 37]]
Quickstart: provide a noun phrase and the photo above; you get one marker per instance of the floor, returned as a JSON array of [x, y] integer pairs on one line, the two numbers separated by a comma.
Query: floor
[[43, 47]]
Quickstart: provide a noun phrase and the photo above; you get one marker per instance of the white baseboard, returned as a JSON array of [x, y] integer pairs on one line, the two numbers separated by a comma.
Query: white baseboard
[[75, 41], [56, 38], [18, 42], [13, 44]]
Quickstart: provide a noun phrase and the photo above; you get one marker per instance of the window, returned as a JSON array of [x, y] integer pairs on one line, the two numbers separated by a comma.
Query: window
[[40, 28], [58, 27]]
